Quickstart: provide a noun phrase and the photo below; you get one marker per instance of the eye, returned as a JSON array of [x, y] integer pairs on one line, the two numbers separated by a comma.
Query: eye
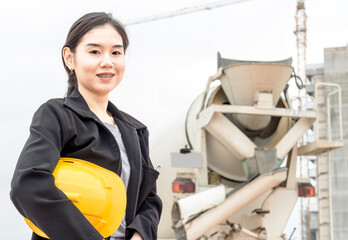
[[94, 52], [117, 53]]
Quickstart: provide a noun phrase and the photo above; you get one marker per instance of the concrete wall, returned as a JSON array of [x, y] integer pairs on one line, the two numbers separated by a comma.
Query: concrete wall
[[336, 71]]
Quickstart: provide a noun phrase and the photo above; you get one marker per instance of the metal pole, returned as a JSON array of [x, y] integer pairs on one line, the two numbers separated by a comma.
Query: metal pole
[[328, 117], [330, 196]]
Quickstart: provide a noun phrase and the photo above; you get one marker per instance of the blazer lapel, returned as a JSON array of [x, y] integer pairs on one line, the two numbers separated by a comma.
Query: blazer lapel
[[131, 142]]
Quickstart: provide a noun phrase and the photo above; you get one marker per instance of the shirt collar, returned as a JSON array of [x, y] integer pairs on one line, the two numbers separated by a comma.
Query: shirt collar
[[77, 103]]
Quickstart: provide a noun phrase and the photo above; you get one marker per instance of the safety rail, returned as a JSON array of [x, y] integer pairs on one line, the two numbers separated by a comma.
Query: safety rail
[[328, 105]]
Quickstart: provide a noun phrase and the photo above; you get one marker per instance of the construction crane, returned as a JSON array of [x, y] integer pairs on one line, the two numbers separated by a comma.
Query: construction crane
[[184, 11], [301, 43], [301, 39]]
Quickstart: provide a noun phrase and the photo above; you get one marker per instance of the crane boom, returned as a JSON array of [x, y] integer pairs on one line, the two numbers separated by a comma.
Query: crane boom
[[184, 11]]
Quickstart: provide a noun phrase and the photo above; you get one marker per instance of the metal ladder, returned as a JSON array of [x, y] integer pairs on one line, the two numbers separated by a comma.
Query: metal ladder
[[323, 132]]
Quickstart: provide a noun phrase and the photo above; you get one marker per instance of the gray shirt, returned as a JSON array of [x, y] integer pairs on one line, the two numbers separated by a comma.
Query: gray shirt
[[120, 233]]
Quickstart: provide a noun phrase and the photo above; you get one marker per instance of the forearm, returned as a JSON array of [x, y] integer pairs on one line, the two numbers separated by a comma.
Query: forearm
[[47, 207]]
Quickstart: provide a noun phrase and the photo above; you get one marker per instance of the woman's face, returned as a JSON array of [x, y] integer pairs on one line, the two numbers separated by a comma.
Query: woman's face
[[99, 60]]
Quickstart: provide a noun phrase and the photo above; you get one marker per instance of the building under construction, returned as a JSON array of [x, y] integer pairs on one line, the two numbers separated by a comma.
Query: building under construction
[[333, 70]]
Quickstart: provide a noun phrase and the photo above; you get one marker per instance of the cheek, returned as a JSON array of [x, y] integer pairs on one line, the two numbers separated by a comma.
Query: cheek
[[120, 65], [89, 66], [85, 63]]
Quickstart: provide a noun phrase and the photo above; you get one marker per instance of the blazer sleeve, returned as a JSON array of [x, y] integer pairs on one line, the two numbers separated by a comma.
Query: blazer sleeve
[[149, 204], [33, 191]]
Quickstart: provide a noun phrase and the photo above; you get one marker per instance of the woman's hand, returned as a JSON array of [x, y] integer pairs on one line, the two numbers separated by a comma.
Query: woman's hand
[[136, 236]]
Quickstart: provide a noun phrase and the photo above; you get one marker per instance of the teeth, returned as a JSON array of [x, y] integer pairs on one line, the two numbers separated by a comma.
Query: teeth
[[105, 75]]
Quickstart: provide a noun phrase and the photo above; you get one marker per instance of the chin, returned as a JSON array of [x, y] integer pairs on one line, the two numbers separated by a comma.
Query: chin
[[106, 90]]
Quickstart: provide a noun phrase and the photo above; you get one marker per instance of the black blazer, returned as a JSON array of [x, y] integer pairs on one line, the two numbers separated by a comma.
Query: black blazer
[[67, 128]]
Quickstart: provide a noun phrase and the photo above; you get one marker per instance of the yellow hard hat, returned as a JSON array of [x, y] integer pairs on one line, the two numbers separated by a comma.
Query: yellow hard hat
[[97, 192]]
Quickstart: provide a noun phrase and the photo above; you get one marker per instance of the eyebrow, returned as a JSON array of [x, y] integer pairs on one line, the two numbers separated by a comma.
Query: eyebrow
[[98, 45]]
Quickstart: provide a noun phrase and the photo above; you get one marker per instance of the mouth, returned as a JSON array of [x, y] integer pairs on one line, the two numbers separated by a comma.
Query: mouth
[[105, 75]]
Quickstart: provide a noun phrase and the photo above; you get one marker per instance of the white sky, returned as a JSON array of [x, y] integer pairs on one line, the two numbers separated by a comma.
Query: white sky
[[168, 61]]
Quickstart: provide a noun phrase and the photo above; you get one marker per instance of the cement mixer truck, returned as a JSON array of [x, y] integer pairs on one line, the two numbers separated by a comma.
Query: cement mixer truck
[[228, 171]]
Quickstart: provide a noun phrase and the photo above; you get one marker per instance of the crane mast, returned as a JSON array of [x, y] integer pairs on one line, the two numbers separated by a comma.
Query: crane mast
[[301, 39], [301, 43]]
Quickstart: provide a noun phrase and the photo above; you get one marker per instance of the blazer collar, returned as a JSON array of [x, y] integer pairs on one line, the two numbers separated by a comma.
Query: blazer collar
[[77, 103]]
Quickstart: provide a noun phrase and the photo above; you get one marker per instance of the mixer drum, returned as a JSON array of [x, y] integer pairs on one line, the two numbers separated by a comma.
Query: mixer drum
[[240, 86]]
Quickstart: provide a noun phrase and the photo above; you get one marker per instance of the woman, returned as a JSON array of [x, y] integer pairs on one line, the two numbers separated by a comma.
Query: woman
[[87, 126]]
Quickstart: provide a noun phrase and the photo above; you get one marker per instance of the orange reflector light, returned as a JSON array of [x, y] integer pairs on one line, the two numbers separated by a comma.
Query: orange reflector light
[[306, 190], [183, 185]]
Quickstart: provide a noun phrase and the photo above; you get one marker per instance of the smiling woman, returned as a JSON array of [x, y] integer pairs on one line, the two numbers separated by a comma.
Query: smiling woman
[[98, 61], [86, 125]]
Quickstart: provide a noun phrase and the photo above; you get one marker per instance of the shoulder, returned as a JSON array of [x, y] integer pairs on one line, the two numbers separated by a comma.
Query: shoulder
[[50, 118], [133, 121], [54, 103], [50, 110], [125, 117]]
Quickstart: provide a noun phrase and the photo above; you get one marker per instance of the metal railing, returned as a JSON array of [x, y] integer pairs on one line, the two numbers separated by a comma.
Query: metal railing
[[337, 91]]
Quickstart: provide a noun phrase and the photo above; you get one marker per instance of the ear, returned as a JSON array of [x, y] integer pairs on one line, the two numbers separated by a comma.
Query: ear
[[68, 58]]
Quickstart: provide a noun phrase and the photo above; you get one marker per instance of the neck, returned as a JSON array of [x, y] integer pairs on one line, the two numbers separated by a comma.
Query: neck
[[97, 104]]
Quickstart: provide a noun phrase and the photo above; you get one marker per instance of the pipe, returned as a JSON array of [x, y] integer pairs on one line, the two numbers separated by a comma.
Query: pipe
[[193, 204], [232, 204]]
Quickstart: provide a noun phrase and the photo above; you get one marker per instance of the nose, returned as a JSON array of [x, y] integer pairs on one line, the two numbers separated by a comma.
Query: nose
[[106, 61]]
